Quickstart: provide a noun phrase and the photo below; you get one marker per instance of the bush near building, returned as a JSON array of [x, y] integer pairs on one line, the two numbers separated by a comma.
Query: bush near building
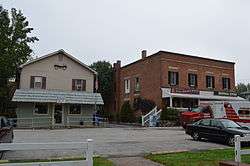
[[170, 115], [143, 105], [127, 113]]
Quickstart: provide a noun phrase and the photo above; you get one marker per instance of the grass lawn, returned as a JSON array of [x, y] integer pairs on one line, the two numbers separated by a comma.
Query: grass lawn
[[98, 161], [199, 158]]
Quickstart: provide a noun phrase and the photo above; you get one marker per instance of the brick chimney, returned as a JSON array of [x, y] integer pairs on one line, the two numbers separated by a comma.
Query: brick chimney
[[144, 54], [116, 86]]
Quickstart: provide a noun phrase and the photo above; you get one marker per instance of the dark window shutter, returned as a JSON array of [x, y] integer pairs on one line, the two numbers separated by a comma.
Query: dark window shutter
[[73, 84], [177, 78], [207, 81], [189, 79], [83, 85], [224, 83], [43, 82], [213, 81], [169, 79], [196, 81], [32, 81]]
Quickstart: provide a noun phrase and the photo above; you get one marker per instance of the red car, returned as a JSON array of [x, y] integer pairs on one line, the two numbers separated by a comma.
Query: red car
[[189, 117]]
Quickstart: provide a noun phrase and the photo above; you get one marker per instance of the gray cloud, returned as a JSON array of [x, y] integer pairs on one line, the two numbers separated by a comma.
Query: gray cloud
[[110, 30]]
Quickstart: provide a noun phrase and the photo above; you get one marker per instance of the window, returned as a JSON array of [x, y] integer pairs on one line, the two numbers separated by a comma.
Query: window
[[205, 122], [127, 86], [226, 83], [192, 80], [137, 84], [75, 109], [79, 85], [37, 82], [173, 78], [215, 123], [41, 108], [210, 82]]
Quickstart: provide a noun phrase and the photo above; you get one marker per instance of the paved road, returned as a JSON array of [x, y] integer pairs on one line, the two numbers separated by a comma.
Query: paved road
[[111, 142]]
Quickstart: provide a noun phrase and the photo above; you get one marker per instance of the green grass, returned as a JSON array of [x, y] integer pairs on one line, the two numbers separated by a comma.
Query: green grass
[[98, 161], [198, 158]]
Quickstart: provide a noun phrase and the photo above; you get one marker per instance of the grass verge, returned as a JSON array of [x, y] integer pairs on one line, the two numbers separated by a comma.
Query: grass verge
[[196, 158]]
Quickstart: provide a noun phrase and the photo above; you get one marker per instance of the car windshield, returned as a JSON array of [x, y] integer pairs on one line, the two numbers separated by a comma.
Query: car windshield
[[230, 124], [196, 109]]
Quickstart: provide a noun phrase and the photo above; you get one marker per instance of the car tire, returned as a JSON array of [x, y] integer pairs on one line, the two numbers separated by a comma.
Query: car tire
[[230, 141], [196, 136]]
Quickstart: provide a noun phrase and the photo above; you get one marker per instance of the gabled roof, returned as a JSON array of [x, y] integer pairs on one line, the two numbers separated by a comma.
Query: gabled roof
[[61, 51]]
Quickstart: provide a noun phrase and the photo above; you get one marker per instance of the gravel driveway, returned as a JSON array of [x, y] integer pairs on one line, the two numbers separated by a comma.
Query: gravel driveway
[[112, 142]]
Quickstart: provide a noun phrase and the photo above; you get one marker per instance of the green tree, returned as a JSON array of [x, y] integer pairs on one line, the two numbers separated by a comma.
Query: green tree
[[105, 82], [241, 88], [14, 48]]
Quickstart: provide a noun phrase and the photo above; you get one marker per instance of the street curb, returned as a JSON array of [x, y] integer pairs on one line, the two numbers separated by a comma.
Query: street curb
[[170, 151]]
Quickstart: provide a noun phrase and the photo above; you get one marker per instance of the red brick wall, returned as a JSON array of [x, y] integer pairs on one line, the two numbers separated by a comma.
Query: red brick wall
[[199, 66], [153, 74]]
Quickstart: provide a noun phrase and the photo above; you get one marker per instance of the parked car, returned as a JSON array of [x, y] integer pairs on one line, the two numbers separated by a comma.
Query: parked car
[[216, 130], [6, 131]]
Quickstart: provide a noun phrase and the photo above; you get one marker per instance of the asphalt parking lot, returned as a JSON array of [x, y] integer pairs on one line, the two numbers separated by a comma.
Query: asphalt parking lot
[[111, 142]]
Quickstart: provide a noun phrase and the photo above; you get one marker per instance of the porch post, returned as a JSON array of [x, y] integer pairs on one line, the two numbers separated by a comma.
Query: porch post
[[171, 101], [52, 115]]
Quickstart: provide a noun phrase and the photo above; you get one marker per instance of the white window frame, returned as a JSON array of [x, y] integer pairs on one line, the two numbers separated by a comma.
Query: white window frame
[[173, 78], [193, 79], [80, 85], [35, 81], [211, 82], [137, 84], [34, 107], [127, 86], [75, 114], [227, 83]]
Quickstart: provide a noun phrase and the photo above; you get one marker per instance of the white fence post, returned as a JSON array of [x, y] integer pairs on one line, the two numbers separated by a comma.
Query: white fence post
[[237, 148], [142, 121], [89, 154]]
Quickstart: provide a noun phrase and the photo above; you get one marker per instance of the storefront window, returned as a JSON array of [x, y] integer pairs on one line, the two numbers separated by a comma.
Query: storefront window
[[75, 109], [41, 108]]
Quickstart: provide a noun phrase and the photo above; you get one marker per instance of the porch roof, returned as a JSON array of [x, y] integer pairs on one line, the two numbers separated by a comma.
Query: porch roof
[[53, 96]]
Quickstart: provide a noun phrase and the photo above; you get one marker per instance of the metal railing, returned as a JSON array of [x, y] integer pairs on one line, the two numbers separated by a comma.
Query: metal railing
[[34, 122], [151, 118], [76, 121], [87, 148], [47, 122]]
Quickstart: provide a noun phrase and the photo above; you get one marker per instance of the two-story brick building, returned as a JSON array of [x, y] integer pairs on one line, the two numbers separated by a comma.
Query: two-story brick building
[[55, 90], [174, 80]]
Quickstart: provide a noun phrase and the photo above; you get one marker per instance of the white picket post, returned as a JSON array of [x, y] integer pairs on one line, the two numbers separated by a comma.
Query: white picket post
[[237, 148], [142, 121], [89, 154]]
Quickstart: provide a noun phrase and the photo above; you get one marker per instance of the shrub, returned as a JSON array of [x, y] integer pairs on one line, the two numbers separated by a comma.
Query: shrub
[[170, 114], [127, 114], [144, 105]]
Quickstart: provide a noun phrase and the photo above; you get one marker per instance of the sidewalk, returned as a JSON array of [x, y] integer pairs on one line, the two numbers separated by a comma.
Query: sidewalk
[[135, 161]]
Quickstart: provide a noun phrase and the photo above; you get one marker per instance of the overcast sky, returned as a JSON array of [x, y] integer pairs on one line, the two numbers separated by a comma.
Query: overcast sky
[[113, 30]]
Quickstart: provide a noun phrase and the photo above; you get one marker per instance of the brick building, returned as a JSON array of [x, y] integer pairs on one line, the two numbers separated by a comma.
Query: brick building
[[174, 80]]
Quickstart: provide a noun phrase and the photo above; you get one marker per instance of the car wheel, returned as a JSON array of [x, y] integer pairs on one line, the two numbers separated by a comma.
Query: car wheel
[[230, 141], [196, 136]]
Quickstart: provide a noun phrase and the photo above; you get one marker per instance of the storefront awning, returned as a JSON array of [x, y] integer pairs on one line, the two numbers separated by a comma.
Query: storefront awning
[[206, 95], [52, 96]]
